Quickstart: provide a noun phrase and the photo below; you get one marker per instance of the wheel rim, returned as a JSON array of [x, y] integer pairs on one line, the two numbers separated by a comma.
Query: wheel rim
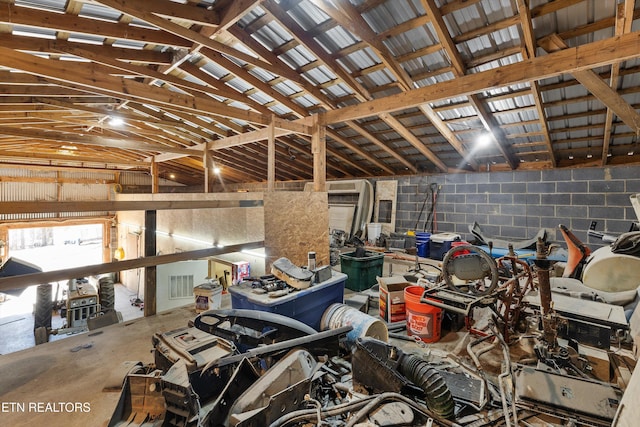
[[487, 276]]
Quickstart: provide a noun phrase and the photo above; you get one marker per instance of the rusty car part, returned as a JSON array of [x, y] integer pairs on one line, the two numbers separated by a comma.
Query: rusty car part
[[589, 402], [380, 367]]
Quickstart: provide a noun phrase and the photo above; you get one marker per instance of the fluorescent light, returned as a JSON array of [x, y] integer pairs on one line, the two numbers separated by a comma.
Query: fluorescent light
[[252, 253]]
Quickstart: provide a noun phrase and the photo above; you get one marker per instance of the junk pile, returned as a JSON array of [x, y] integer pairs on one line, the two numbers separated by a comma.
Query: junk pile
[[527, 357]]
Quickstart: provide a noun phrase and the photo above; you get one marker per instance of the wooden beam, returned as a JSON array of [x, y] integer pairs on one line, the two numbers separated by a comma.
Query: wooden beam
[[32, 44], [592, 55], [87, 79], [245, 138], [594, 84], [125, 144], [207, 162], [234, 11], [448, 134], [11, 14], [413, 140], [483, 112], [155, 177], [115, 206], [186, 33], [624, 22], [271, 156], [319, 150], [150, 288], [25, 280]]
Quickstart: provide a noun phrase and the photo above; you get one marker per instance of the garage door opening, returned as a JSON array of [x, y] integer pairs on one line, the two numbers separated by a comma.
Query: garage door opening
[[57, 248], [50, 249]]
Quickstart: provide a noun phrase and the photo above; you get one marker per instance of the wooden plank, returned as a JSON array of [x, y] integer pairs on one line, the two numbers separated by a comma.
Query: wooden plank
[[115, 206], [592, 55], [22, 281]]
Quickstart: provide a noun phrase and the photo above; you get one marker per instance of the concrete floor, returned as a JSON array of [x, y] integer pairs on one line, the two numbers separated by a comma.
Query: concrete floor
[[60, 383], [16, 318]]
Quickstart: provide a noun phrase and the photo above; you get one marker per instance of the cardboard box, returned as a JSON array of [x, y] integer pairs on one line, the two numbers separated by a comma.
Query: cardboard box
[[391, 300]]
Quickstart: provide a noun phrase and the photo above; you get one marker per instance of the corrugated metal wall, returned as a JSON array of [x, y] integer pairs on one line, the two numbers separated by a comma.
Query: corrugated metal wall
[[32, 185]]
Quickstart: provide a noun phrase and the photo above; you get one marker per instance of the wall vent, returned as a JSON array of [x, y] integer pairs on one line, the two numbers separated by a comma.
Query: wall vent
[[181, 286]]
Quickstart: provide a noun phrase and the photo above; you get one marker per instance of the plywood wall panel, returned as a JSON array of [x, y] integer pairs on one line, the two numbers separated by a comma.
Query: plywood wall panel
[[296, 223]]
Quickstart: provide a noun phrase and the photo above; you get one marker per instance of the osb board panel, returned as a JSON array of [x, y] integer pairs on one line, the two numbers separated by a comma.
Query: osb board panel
[[296, 223]]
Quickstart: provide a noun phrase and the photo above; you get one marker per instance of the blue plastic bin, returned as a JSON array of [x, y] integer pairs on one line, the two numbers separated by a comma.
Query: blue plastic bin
[[422, 243], [307, 305]]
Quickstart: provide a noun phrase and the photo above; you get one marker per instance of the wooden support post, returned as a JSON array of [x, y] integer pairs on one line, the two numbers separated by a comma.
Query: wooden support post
[[107, 253], [207, 161], [155, 181], [271, 156], [319, 150], [150, 272]]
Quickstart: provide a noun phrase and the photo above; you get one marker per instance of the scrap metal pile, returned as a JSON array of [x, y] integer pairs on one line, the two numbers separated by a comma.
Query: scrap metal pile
[[514, 365]]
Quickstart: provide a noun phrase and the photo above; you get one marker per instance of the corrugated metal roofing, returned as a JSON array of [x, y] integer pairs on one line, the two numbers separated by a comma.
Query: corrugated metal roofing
[[488, 35]]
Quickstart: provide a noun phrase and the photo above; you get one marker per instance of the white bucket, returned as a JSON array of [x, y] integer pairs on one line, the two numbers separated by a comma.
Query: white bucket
[[373, 231], [338, 315]]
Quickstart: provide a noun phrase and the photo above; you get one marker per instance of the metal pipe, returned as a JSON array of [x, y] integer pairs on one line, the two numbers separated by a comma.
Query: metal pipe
[[549, 321], [503, 375], [544, 283]]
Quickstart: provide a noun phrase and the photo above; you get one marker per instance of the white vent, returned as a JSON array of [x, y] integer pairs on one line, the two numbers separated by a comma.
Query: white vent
[[181, 286]]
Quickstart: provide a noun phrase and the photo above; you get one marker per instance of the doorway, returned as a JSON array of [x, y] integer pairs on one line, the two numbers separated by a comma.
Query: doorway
[[49, 248]]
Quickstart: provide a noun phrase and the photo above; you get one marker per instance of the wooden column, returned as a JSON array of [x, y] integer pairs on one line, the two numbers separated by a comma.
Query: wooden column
[[271, 156], [319, 150], [150, 272], [208, 166], [107, 253], [155, 181]]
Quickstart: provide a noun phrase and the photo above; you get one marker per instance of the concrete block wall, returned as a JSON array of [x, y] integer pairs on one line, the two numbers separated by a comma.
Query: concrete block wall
[[516, 204]]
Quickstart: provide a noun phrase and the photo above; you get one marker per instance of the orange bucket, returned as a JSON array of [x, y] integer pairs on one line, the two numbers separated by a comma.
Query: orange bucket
[[423, 320]]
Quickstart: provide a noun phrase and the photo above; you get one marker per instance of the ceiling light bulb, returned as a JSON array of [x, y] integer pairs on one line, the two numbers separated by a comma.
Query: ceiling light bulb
[[484, 139], [116, 121], [216, 170]]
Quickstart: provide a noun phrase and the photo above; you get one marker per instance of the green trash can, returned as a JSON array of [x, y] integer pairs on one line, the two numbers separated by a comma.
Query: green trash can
[[361, 271]]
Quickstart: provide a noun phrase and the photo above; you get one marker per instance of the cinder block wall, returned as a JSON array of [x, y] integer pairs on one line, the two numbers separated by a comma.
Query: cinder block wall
[[515, 205]]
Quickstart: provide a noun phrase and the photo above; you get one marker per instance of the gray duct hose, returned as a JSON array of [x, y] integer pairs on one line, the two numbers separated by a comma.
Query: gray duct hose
[[436, 392]]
